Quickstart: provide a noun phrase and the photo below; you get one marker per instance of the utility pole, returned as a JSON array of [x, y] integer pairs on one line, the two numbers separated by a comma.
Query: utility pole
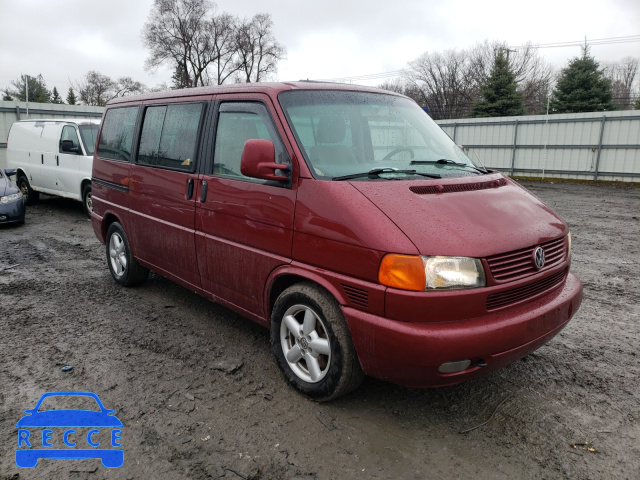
[[26, 83]]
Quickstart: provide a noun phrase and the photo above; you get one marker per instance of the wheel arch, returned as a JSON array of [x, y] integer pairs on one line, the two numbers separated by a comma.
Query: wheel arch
[[285, 277]]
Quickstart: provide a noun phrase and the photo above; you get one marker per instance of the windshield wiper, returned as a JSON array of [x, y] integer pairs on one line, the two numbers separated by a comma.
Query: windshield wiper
[[377, 171], [446, 161]]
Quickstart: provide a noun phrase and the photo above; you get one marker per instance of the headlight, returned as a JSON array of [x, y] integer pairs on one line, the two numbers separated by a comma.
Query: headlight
[[419, 273], [11, 198]]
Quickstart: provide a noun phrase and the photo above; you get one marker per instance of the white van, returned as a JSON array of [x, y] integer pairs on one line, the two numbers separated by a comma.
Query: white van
[[54, 157]]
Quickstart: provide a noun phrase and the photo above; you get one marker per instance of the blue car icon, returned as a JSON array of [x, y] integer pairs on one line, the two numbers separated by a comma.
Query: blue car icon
[[29, 426]]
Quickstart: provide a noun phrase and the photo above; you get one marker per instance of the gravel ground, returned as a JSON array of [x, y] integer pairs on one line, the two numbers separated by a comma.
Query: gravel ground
[[200, 396]]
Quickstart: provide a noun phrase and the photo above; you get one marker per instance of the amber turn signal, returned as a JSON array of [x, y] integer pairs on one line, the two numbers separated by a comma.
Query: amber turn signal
[[402, 271]]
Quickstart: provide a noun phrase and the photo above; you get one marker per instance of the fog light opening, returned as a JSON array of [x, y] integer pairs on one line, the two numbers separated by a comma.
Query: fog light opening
[[454, 367]]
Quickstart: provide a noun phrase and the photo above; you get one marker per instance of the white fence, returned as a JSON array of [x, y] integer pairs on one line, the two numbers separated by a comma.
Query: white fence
[[13, 111], [588, 146]]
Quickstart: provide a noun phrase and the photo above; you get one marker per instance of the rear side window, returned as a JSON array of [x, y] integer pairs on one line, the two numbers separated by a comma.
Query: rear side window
[[169, 136], [116, 137]]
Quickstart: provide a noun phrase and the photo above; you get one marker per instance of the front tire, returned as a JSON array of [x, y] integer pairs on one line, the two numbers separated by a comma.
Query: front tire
[[87, 201], [124, 268], [312, 344], [25, 187]]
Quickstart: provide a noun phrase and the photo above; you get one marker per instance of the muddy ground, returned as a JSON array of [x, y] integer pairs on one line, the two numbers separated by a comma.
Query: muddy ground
[[200, 396]]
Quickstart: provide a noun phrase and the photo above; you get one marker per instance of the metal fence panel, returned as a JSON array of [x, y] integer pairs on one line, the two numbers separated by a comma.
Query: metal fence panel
[[595, 146]]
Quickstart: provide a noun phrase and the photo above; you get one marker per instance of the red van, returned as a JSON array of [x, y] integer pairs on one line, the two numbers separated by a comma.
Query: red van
[[343, 219]]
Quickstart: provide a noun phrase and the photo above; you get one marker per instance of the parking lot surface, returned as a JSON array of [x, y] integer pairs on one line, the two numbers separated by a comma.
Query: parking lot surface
[[199, 395]]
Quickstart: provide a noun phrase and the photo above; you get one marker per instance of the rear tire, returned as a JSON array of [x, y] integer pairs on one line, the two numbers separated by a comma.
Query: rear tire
[[124, 268], [25, 187], [312, 344], [87, 201]]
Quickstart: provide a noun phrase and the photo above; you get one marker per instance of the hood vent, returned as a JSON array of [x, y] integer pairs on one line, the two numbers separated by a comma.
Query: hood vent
[[464, 187]]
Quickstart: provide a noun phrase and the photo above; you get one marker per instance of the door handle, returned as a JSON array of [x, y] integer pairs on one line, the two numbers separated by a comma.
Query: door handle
[[203, 192], [189, 189], [57, 161], [42, 158]]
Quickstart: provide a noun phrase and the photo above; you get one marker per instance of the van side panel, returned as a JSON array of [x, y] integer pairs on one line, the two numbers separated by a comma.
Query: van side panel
[[110, 189], [162, 222], [23, 149], [245, 232], [49, 158]]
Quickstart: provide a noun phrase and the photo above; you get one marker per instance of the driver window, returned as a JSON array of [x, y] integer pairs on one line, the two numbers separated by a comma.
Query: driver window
[[238, 123], [69, 133]]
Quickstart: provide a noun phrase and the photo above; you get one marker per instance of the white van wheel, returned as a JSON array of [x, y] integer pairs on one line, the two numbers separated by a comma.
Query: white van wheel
[[87, 201], [312, 344], [124, 268]]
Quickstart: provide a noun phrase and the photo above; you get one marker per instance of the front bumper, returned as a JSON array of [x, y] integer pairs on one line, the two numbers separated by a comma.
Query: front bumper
[[409, 354], [12, 212]]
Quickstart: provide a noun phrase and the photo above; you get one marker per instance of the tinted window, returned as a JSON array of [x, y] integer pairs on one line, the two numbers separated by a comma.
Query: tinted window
[[170, 136], [69, 133], [89, 133], [234, 129], [117, 133]]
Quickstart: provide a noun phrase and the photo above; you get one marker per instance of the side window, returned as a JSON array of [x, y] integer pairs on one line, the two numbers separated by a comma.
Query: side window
[[70, 135], [238, 123], [170, 136], [116, 136]]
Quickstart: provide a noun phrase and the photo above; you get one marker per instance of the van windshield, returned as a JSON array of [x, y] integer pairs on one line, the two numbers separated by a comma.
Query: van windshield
[[345, 135], [89, 133]]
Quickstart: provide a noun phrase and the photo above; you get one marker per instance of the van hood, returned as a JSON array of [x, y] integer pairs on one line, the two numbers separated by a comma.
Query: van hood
[[469, 216]]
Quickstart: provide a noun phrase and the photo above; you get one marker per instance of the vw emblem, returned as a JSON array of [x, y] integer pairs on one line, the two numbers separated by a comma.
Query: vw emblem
[[538, 258]]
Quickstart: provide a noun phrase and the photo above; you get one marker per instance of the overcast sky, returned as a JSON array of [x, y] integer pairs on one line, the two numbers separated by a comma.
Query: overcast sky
[[325, 39]]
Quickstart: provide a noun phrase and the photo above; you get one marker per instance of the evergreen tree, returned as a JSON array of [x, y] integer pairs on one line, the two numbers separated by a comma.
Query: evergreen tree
[[6, 96], [582, 87], [637, 107], [499, 95], [71, 97], [38, 91], [55, 96]]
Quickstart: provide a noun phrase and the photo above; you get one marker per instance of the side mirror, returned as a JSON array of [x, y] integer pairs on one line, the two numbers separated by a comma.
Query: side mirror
[[9, 172], [259, 161], [67, 146]]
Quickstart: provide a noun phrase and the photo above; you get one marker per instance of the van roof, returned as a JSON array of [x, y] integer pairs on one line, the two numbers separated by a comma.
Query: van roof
[[77, 121], [270, 88]]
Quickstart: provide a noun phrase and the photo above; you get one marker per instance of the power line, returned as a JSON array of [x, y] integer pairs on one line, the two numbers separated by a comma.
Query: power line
[[573, 43]]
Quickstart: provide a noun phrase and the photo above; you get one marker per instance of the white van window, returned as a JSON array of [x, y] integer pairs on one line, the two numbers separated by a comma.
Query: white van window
[[117, 133], [69, 134], [170, 136], [89, 133]]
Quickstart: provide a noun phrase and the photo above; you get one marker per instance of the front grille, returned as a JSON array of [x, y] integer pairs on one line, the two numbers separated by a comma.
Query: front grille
[[464, 187], [519, 263], [515, 295], [357, 296]]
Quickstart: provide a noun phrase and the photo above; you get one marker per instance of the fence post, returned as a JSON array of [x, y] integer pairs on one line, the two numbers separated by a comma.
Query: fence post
[[455, 126], [18, 112], [595, 174], [513, 150]]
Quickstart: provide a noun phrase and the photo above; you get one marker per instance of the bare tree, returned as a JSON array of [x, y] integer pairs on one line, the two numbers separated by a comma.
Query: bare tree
[[450, 81], [443, 81], [222, 42], [176, 33], [97, 89], [623, 77], [257, 49], [127, 86]]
